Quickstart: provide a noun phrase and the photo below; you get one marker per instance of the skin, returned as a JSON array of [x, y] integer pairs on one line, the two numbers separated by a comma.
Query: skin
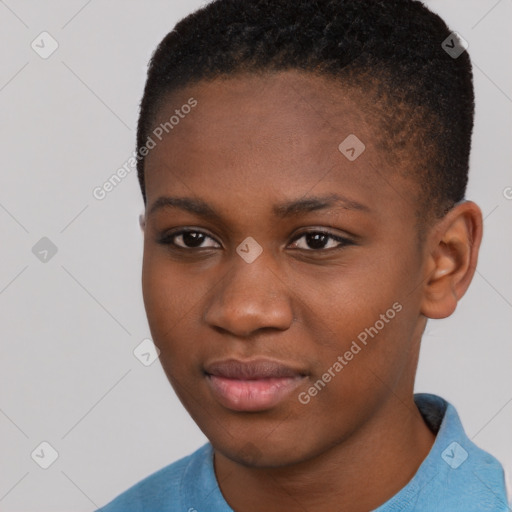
[[250, 143]]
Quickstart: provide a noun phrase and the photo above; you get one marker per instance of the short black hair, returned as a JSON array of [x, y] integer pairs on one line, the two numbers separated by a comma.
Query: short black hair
[[389, 49]]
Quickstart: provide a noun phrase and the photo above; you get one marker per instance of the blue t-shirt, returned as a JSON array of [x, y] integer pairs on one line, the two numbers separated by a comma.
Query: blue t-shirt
[[456, 476]]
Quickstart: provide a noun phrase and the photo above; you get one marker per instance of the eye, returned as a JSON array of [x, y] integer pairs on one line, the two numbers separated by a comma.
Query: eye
[[188, 239], [309, 241], [318, 240]]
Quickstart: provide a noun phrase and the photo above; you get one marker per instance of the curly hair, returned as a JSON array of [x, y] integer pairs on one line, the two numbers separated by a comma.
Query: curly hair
[[388, 50]]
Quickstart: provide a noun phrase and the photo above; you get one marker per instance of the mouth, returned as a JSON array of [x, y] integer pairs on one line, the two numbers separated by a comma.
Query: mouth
[[251, 386]]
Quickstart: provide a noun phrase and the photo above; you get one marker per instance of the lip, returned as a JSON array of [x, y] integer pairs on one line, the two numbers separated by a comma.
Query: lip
[[254, 385]]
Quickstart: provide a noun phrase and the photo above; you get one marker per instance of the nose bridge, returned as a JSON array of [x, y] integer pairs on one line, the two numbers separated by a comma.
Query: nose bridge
[[250, 296]]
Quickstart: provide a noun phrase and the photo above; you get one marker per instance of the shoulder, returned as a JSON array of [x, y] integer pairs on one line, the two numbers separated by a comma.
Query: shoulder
[[162, 489], [457, 474]]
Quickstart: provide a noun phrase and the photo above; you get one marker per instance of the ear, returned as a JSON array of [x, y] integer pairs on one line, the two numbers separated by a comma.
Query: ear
[[142, 221], [453, 245]]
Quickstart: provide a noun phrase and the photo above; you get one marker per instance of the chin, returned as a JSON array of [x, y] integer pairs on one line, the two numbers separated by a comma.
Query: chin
[[263, 454]]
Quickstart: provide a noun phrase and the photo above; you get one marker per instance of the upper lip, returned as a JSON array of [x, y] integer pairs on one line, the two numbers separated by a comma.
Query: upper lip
[[251, 370]]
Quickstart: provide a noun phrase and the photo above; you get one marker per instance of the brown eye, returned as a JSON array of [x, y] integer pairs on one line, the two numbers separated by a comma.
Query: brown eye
[[318, 240], [189, 239]]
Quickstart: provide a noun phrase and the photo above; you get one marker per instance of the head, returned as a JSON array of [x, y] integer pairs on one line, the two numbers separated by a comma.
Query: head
[[316, 156]]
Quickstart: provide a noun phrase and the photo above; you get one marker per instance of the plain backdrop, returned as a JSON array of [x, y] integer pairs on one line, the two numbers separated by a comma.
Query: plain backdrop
[[69, 325]]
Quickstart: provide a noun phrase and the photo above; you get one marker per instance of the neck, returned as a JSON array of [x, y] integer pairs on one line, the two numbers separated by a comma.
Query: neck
[[357, 475]]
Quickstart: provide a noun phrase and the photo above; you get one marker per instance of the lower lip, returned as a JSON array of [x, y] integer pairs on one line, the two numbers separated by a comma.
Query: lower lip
[[252, 395]]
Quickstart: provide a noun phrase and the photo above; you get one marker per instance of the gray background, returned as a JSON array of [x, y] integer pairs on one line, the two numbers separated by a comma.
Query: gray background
[[68, 375]]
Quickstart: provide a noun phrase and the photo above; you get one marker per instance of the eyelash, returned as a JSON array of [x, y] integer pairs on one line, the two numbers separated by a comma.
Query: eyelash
[[168, 239]]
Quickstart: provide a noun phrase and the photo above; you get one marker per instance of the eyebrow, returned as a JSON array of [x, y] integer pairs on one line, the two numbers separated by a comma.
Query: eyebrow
[[283, 210]]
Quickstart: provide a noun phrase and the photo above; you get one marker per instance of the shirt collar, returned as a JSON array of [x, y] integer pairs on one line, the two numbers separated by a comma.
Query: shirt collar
[[455, 473]]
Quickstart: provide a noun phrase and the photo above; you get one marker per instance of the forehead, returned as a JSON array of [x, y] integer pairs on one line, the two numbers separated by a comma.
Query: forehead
[[285, 134], [266, 107]]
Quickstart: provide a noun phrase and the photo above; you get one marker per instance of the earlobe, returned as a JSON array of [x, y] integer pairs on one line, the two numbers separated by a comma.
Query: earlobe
[[142, 221], [453, 253]]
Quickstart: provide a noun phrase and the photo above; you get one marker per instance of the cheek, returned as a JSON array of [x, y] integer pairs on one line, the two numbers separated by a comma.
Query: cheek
[[168, 296], [347, 299], [173, 296], [366, 316], [158, 290]]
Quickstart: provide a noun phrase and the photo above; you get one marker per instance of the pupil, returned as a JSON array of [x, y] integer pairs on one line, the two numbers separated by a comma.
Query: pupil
[[193, 239], [316, 240]]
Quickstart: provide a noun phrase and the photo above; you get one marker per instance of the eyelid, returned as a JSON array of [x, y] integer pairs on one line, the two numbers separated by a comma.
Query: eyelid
[[341, 239], [171, 234], [166, 238]]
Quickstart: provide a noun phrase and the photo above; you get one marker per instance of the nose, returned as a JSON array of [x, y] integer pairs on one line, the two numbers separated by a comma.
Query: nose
[[250, 297]]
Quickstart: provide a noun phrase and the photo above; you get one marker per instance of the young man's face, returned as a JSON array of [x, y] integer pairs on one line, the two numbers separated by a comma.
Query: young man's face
[[336, 312]]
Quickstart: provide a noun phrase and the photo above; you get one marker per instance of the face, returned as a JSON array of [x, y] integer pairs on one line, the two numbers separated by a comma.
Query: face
[[281, 271]]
